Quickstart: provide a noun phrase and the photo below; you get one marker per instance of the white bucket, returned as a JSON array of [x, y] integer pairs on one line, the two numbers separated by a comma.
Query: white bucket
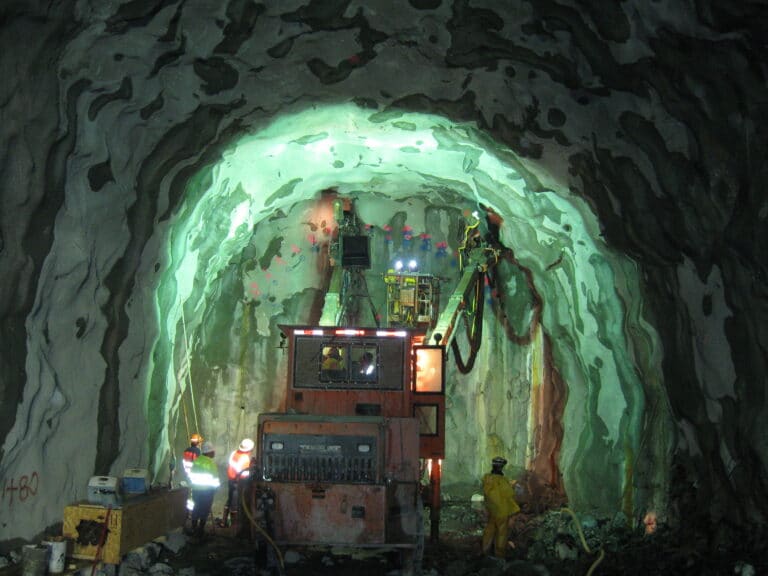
[[58, 553]]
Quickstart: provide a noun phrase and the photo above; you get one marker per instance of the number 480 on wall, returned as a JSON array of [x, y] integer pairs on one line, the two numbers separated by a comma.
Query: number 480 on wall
[[20, 489]]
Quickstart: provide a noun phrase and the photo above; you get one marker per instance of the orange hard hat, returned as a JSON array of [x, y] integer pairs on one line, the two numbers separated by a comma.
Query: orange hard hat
[[195, 438]]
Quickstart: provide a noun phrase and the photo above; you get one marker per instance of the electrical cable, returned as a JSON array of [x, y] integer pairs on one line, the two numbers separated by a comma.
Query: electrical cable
[[583, 540], [537, 303], [255, 524], [464, 242], [186, 419], [245, 329], [474, 331], [240, 423], [189, 370]]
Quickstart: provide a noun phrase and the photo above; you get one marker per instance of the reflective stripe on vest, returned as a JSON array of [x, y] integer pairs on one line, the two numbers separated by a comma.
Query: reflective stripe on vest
[[204, 479]]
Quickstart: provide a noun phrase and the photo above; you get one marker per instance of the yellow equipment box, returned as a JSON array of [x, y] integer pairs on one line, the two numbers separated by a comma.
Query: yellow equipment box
[[139, 520]]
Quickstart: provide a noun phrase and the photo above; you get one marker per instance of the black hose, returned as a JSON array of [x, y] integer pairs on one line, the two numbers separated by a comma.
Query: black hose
[[474, 331]]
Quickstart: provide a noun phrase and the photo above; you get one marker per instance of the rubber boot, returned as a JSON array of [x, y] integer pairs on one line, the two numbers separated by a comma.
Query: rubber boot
[[225, 517]]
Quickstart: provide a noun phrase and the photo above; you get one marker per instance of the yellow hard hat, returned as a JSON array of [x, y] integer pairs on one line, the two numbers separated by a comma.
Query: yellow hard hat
[[195, 438]]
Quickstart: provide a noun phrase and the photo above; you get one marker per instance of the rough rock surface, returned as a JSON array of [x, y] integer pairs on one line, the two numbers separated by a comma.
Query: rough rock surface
[[621, 144]]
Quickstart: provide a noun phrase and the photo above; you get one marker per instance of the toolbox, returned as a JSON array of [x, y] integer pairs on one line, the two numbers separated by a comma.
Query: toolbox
[[135, 481], [102, 490]]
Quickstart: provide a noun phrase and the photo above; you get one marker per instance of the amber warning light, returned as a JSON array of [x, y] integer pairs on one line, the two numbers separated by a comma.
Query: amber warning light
[[429, 369], [351, 332]]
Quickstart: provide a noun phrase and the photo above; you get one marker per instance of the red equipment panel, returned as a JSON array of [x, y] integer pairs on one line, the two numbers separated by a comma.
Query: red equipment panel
[[331, 514], [342, 479]]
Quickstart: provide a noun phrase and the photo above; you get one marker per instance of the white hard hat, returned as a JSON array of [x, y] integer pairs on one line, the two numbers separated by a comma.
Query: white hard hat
[[246, 445], [207, 448]]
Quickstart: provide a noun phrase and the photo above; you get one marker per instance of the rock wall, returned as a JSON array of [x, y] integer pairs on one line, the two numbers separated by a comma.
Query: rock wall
[[620, 144]]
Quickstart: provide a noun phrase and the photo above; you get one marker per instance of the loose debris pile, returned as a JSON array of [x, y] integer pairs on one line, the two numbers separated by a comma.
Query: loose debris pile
[[552, 543], [558, 543]]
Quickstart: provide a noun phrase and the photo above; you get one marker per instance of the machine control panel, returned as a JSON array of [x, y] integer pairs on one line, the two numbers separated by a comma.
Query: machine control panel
[[314, 458]]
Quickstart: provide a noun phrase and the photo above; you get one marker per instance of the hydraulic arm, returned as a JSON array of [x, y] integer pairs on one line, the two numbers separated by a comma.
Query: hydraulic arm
[[466, 298]]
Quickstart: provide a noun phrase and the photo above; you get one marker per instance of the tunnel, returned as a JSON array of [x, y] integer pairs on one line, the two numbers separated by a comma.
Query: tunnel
[[300, 156], [170, 202]]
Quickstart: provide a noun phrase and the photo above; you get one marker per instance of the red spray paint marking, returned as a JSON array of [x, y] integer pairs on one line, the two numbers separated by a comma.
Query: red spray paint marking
[[23, 490]]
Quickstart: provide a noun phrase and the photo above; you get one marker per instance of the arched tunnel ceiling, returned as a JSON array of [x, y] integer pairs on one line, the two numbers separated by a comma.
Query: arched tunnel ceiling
[[603, 350], [635, 129]]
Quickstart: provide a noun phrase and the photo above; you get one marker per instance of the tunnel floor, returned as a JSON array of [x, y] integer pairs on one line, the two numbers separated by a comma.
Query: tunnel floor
[[540, 544]]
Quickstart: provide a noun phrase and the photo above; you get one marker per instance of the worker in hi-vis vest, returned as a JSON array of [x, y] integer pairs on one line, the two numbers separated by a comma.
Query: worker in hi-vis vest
[[239, 464], [204, 477]]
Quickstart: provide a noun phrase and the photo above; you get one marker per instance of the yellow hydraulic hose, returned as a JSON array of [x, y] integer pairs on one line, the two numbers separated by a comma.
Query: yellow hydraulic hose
[[464, 242], [601, 554], [263, 532]]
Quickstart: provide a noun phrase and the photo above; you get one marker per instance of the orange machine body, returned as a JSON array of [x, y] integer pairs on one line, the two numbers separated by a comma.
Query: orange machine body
[[342, 480], [344, 456]]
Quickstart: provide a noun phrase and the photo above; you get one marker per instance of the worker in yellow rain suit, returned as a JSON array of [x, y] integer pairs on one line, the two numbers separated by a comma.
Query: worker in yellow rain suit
[[501, 504]]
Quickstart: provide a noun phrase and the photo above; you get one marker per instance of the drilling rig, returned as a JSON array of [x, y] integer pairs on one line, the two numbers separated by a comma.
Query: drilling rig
[[356, 452]]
